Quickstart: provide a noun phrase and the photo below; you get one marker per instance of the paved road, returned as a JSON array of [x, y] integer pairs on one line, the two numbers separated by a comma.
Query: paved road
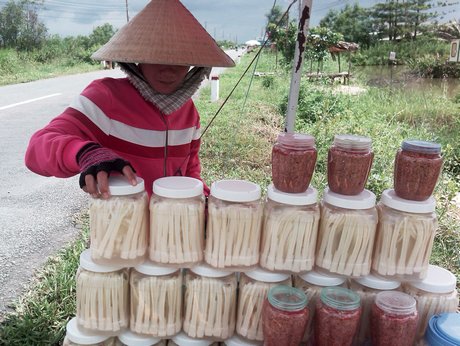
[[36, 213]]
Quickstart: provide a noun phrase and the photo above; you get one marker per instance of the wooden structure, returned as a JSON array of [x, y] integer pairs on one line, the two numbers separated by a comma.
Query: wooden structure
[[336, 51]]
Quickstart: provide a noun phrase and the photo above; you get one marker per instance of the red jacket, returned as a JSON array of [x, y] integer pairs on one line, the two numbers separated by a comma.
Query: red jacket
[[114, 114]]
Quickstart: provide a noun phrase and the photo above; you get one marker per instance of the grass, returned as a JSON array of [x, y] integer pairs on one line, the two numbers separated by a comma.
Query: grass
[[238, 145]]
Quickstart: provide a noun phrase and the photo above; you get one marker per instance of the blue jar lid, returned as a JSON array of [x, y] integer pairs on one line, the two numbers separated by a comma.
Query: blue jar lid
[[421, 146], [443, 330]]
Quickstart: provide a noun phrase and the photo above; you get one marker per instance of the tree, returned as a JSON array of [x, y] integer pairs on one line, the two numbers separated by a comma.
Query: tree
[[319, 40], [275, 21], [101, 34]]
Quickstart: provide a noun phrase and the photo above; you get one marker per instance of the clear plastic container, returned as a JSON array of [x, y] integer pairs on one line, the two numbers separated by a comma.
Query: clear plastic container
[[443, 330], [183, 339], [102, 296], [128, 338], [177, 221], [346, 233], [312, 283], [119, 225], [293, 162], [209, 303], [337, 317], [367, 287], [76, 336], [435, 294], [289, 231], [234, 225], [405, 236], [285, 316], [156, 300], [253, 290], [349, 162], [393, 319], [236, 340], [416, 169]]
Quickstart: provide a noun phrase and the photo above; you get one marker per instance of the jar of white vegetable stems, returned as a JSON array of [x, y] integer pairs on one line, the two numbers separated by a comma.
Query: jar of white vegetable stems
[[156, 300], [346, 233], [290, 229], [253, 290], [209, 303], [102, 296], [76, 336], [183, 339], [234, 225], [119, 225], [367, 288], [435, 294], [128, 338], [177, 222], [312, 283], [405, 236]]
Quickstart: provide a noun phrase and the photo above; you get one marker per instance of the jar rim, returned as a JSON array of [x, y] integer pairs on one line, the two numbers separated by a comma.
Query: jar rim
[[419, 146], [296, 141], [395, 302], [287, 298], [340, 298], [353, 142]]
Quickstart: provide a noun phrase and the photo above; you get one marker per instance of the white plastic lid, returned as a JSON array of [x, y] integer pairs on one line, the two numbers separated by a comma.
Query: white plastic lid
[[132, 339], [120, 186], [238, 341], [178, 187], [364, 200], [377, 283], [323, 280], [150, 268], [235, 190], [308, 197], [87, 263], [208, 271], [78, 336], [183, 339], [259, 274], [390, 199], [353, 142], [438, 280]]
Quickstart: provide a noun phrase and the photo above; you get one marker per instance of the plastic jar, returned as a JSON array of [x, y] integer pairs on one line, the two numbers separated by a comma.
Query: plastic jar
[[102, 296], [337, 317], [177, 221], [156, 300], [234, 225], [416, 169], [183, 339], [289, 230], [349, 162], [346, 233], [443, 330], [75, 336], [119, 225], [435, 294], [128, 338], [285, 316], [209, 303], [404, 237], [393, 319], [235, 340], [293, 162], [253, 290], [367, 287], [312, 283]]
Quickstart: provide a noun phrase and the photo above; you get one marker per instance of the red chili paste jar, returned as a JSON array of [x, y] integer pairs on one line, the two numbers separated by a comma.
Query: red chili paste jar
[[284, 316], [394, 319], [416, 170], [336, 317], [349, 162], [293, 162]]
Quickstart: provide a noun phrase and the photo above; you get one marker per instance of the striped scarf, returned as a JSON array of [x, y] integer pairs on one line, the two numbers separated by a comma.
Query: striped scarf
[[171, 102]]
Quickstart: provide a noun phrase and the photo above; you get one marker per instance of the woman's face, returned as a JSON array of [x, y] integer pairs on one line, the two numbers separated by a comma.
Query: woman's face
[[164, 79]]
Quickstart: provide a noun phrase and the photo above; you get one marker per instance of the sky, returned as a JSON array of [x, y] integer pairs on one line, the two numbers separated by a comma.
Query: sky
[[234, 20]]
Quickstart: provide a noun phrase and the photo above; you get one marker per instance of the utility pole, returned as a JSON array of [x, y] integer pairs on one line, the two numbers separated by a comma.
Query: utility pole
[[127, 14]]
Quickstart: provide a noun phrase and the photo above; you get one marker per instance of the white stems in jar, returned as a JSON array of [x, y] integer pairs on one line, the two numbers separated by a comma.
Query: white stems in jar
[[288, 240], [156, 305], [176, 232], [233, 235], [313, 293], [404, 247], [102, 300], [118, 228], [210, 307], [345, 243]]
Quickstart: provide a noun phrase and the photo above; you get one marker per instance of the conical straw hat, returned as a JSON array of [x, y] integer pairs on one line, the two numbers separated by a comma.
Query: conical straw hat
[[164, 32]]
